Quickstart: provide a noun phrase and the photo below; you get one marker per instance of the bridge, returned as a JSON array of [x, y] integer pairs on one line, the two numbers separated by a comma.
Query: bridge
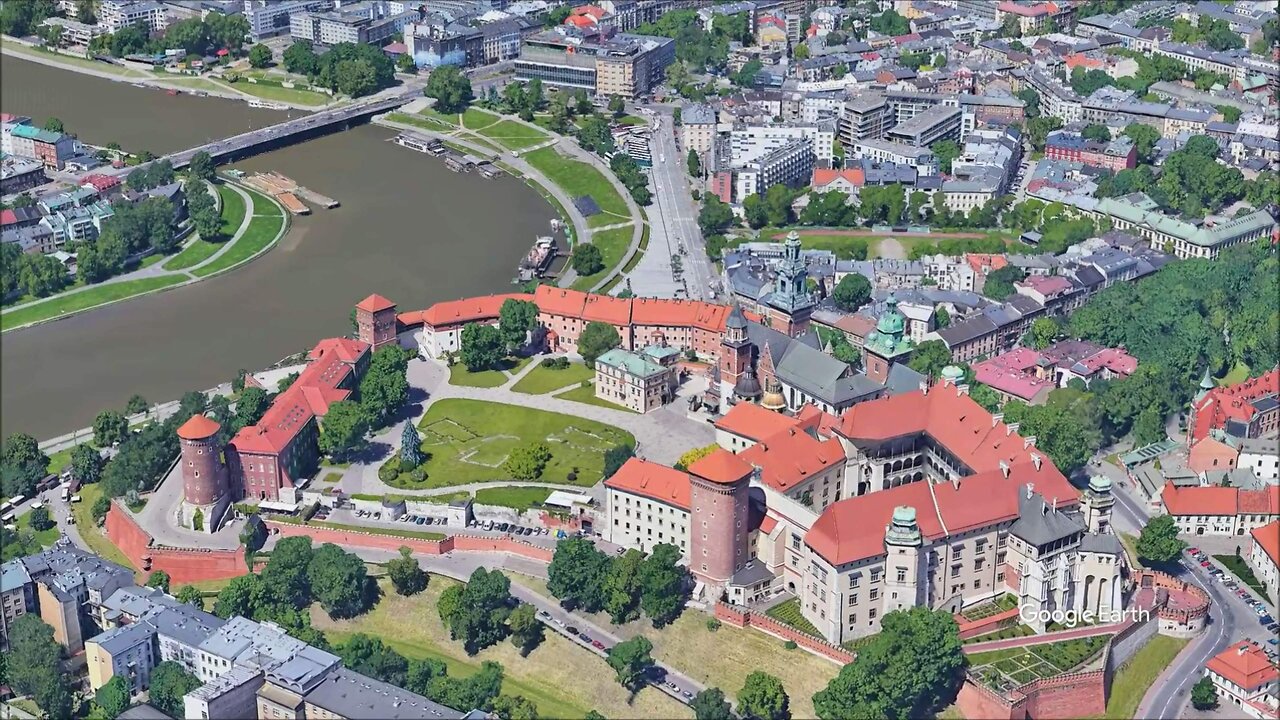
[[254, 141]]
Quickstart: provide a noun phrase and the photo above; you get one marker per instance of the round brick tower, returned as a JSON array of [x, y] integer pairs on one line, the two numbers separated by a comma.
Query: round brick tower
[[204, 478], [719, 485]]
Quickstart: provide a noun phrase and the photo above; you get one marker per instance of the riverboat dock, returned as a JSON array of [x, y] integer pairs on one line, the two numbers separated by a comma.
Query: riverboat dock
[[288, 192]]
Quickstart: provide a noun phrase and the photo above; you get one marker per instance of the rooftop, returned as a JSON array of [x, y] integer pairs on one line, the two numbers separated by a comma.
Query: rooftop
[[652, 480], [1245, 665]]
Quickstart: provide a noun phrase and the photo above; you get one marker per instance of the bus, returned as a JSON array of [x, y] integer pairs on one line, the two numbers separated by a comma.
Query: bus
[[11, 504]]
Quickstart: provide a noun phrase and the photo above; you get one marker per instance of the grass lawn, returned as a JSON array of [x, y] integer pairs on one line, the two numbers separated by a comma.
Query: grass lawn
[[150, 260], [542, 380], [563, 680], [1239, 373], [1135, 677], [20, 49], [513, 135], [460, 375], [28, 706], [474, 118], [1237, 566], [433, 124], [439, 118], [60, 460], [233, 210], [55, 306], [789, 613], [518, 498], [263, 230], [578, 179], [613, 246], [724, 658], [588, 395], [43, 538], [468, 441], [280, 94], [93, 535]]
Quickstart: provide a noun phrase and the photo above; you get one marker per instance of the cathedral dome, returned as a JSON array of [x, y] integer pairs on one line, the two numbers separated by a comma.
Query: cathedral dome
[[773, 400], [747, 387], [891, 321]]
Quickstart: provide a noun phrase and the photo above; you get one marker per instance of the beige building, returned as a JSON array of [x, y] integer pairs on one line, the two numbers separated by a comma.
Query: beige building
[[647, 504], [698, 129], [641, 381], [1264, 556]]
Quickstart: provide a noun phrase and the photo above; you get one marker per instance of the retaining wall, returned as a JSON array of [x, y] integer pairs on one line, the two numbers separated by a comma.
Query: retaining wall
[[184, 565], [1072, 695], [465, 542], [738, 616], [974, 628]]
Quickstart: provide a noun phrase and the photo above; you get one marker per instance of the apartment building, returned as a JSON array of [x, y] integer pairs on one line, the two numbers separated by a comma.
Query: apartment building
[[269, 18], [920, 158], [1140, 215], [1214, 510], [937, 123], [1056, 99], [361, 26], [1264, 556], [647, 504], [698, 128], [790, 164], [1115, 155], [118, 14], [625, 65], [748, 143], [864, 117]]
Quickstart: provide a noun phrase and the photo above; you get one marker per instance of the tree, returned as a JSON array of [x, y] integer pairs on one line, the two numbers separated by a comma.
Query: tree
[[516, 319], [169, 683], [663, 584], [946, 151], [136, 405], [405, 64], [286, 578], [930, 357], [577, 574], [514, 707], [909, 669], [385, 385], [190, 595], [777, 203], [595, 136], [450, 88], [449, 602], [891, 23], [710, 704], [754, 212], [259, 56], [201, 167], [999, 283], [614, 458], [621, 587], [1159, 540], [586, 259], [113, 697], [1203, 695], [158, 579], [482, 347], [527, 462], [1096, 132], [1042, 333], [300, 59], [33, 667], [715, 216], [596, 339], [631, 660], [250, 406], [693, 163], [86, 464], [1038, 129], [746, 76], [410, 447], [109, 428], [852, 292], [480, 619], [693, 455], [617, 106], [368, 655], [39, 519], [54, 125], [338, 581], [342, 429], [526, 629], [40, 275], [23, 465], [941, 317], [1144, 138]]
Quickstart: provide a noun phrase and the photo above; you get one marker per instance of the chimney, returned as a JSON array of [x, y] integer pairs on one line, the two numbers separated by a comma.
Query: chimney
[[996, 418], [924, 387], [1004, 468], [1030, 488], [1036, 460], [962, 390], [1028, 442], [1013, 428], [1055, 503]]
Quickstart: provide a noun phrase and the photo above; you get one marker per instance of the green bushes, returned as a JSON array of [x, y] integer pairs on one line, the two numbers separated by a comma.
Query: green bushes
[[556, 363]]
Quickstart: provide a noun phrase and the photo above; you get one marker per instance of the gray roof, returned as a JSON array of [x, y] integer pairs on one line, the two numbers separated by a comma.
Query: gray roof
[[1039, 523], [902, 379], [697, 114], [121, 639], [347, 693], [144, 711], [1107, 544]]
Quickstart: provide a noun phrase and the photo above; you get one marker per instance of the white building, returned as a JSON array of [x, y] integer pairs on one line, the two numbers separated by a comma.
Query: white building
[[1245, 680], [1262, 456], [790, 164], [749, 143], [118, 14], [1264, 557], [647, 504], [269, 18], [882, 151]]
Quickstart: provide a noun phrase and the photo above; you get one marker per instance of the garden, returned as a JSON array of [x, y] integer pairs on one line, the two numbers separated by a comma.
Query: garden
[[468, 441], [788, 612], [1004, 670]]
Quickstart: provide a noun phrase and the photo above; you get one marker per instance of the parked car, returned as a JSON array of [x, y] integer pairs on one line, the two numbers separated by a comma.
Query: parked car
[[572, 630], [1205, 563], [421, 521], [584, 638], [1193, 551], [597, 644]]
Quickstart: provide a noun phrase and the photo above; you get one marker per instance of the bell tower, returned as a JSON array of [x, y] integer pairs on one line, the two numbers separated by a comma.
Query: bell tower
[[1097, 502], [791, 304], [376, 321], [903, 546], [735, 355]]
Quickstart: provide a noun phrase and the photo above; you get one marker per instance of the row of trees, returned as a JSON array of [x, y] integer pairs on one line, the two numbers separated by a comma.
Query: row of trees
[[197, 37], [354, 69], [583, 577], [484, 347], [382, 390]]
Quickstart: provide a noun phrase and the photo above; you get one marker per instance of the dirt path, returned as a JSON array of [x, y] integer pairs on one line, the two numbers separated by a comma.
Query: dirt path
[[891, 249], [873, 233]]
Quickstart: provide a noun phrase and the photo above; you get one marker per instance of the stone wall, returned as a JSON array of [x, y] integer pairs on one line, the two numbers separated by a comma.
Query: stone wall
[[738, 616], [462, 542], [1062, 697], [974, 628], [184, 565]]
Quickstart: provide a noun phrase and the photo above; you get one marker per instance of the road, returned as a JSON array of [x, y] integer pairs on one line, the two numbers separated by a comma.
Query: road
[[1173, 689], [674, 214]]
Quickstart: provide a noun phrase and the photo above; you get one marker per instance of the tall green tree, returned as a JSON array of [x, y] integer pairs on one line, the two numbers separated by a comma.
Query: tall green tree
[[410, 447], [516, 319], [113, 697], [911, 668], [201, 166], [852, 292], [586, 259], [526, 629], [450, 88], [158, 579], [596, 339], [480, 620], [763, 698], [86, 464], [1204, 696], [663, 584], [169, 683], [710, 704], [1159, 540], [482, 347], [339, 581], [259, 56], [631, 660], [22, 465], [385, 385], [929, 358], [342, 429], [622, 587], [577, 574]]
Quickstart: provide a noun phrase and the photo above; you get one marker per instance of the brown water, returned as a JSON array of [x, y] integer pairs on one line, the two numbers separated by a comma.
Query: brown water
[[408, 229]]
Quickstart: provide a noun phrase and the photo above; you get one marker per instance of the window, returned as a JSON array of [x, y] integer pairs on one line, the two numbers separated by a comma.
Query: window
[[855, 579], [955, 570], [853, 600], [902, 575], [871, 614], [875, 594]]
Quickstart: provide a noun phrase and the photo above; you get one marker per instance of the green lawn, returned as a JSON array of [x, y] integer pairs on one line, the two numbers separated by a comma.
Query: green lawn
[[233, 210], [39, 539], [1237, 566], [1135, 677], [60, 460], [513, 135], [460, 375], [588, 395], [562, 679], [93, 535], [20, 49], [518, 498], [542, 380], [1239, 373], [578, 179], [373, 530], [468, 440], [263, 230], [61, 305], [789, 612], [280, 94], [613, 246], [475, 118], [150, 260]]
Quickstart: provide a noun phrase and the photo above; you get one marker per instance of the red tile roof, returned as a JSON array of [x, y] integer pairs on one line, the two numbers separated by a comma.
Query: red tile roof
[[1260, 502], [1244, 664], [459, 312], [753, 422], [1268, 538], [814, 418], [559, 301], [652, 480], [1211, 454], [1199, 500], [791, 457], [1234, 402], [825, 176], [853, 529], [721, 466], [607, 309], [316, 388], [374, 303], [100, 182], [984, 263], [767, 524], [198, 427], [8, 217], [951, 418]]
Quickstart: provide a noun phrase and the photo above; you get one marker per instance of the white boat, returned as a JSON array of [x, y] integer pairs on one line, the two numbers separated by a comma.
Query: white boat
[[267, 105]]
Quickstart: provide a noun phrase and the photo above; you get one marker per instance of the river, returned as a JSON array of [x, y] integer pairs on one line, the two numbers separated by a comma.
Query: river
[[408, 229]]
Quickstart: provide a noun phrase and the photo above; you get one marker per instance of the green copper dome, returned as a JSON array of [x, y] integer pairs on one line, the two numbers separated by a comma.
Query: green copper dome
[[891, 321]]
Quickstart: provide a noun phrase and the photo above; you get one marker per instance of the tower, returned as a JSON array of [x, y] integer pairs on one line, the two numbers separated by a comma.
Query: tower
[[737, 378], [886, 345], [376, 321], [791, 304], [204, 476], [718, 490], [902, 544], [1096, 502]]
